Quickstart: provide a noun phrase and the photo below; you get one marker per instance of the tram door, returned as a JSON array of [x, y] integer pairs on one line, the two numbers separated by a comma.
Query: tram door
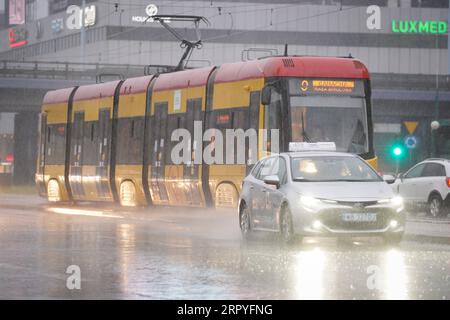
[[253, 123], [191, 170], [102, 172], [159, 154], [44, 135], [76, 156]]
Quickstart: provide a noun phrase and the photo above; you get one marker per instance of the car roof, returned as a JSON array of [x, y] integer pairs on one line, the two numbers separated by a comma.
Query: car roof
[[436, 160], [300, 154], [442, 161]]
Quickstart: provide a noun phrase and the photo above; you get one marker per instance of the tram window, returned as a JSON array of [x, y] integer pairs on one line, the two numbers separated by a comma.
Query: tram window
[[90, 144], [253, 119], [92, 131], [274, 111], [238, 120], [130, 141], [193, 113], [272, 116], [122, 140], [159, 128], [132, 129], [56, 144], [136, 145], [175, 121]]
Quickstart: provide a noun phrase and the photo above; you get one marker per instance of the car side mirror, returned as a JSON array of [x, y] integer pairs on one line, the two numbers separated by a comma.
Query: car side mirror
[[401, 176], [266, 95], [272, 180], [389, 178]]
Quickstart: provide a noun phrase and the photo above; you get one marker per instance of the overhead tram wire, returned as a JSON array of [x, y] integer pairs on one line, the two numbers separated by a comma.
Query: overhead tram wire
[[270, 25], [181, 6], [280, 23], [116, 34], [224, 35], [163, 34], [124, 32], [129, 4], [263, 27], [190, 11]]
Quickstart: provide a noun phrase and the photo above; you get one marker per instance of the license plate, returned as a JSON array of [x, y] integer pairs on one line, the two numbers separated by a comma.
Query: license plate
[[359, 217]]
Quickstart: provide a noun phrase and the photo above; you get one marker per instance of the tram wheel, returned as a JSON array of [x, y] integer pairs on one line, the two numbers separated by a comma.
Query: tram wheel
[[127, 194], [226, 196], [53, 191]]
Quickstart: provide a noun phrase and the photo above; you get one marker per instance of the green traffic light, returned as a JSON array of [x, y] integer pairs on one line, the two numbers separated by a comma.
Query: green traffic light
[[398, 151]]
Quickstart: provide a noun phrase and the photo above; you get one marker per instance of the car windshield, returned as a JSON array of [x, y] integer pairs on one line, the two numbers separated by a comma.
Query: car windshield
[[332, 168], [339, 117]]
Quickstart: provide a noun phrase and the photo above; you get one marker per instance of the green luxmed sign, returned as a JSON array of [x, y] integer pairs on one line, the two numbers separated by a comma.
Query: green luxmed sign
[[414, 26]]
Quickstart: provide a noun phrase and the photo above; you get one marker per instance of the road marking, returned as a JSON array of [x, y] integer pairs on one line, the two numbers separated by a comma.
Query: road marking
[[79, 212], [19, 268]]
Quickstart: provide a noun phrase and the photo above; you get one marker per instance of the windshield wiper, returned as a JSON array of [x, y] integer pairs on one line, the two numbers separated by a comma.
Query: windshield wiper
[[356, 180], [333, 180], [302, 180], [304, 135], [358, 141]]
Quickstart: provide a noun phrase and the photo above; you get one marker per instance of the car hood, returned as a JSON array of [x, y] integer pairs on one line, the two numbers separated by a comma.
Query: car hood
[[345, 191]]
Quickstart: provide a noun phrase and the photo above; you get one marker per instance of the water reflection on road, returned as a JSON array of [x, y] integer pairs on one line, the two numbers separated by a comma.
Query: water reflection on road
[[199, 254]]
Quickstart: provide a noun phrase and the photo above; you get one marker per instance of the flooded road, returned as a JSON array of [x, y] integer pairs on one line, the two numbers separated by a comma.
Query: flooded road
[[178, 253]]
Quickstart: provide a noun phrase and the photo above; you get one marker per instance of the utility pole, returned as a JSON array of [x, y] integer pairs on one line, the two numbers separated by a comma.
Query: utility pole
[[448, 42], [436, 100], [83, 32]]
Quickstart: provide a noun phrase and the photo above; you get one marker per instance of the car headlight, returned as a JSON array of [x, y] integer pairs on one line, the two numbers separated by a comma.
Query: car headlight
[[308, 201], [395, 201]]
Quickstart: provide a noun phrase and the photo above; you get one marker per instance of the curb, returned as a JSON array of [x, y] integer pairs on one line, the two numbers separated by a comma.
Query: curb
[[430, 220], [427, 238]]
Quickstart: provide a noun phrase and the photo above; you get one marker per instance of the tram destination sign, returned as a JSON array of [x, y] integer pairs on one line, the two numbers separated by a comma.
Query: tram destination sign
[[307, 86]]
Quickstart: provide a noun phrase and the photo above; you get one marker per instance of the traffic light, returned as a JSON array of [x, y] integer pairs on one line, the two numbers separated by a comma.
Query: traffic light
[[398, 151]]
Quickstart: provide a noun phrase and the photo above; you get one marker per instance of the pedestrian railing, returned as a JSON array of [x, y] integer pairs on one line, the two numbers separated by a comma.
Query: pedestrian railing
[[65, 70]]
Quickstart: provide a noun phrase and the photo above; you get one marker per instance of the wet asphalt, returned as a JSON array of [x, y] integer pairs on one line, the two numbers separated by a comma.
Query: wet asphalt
[[179, 253]]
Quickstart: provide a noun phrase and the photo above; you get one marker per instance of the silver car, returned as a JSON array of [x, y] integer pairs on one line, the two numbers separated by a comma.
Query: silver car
[[319, 193]]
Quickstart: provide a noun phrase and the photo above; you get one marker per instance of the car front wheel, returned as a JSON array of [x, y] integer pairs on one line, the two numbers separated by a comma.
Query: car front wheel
[[287, 235], [435, 206], [244, 222]]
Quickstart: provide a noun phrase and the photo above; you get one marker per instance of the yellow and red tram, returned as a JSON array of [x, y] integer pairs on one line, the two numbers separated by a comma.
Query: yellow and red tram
[[112, 141]]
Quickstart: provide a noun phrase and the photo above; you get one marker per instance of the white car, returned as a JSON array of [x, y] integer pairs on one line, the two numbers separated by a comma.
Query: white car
[[426, 184], [319, 194]]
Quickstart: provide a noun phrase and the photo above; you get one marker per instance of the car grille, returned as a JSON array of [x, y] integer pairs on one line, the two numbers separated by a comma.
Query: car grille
[[333, 220], [361, 204]]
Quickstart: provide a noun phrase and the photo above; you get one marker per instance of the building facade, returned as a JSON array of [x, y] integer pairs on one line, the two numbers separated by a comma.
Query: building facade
[[404, 43]]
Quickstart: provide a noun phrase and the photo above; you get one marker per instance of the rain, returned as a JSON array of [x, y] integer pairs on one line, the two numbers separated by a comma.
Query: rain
[[224, 150]]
